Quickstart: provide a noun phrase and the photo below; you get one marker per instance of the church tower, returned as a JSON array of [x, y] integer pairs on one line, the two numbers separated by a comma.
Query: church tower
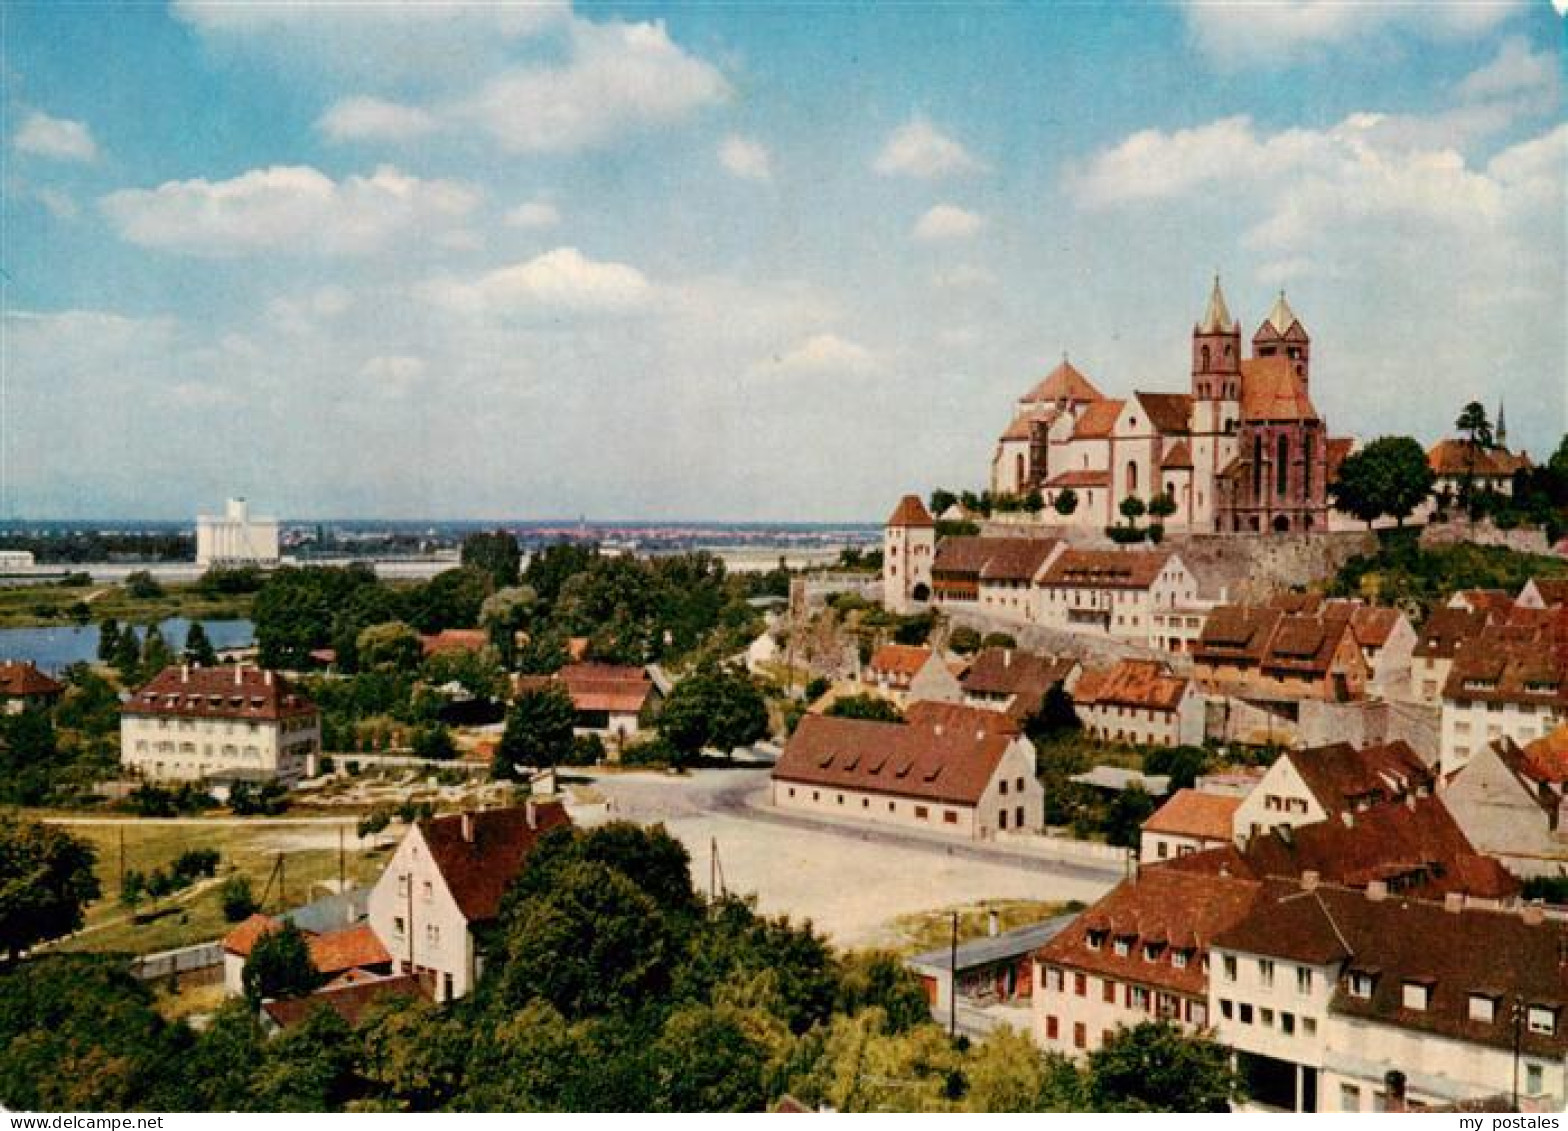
[[908, 549], [1282, 334], [1216, 351]]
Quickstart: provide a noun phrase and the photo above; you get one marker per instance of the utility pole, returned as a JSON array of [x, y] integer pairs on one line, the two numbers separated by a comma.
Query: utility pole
[[342, 864], [1518, 1020], [952, 982], [122, 857]]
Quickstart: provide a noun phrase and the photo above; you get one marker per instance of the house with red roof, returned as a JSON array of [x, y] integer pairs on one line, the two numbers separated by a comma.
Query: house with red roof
[[1331, 783], [221, 724], [1141, 702], [908, 549], [906, 672], [334, 952], [444, 884], [1190, 821], [612, 700], [1113, 592], [23, 687], [959, 771]]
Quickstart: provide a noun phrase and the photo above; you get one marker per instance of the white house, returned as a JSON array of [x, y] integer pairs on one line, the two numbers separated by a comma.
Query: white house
[[213, 724], [960, 771], [1336, 782], [1512, 803], [1500, 689], [908, 549], [1112, 592], [445, 882], [1141, 702]]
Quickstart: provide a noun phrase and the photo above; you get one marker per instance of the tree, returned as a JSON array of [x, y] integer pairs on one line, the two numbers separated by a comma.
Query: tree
[[142, 585], [433, 742], [710, 1061], [449, 600], [941, 499], [538, 731], [1055, 716], [413, 1052], [1475, 425], [127, 657], [156, 653], [1182, 764], [1066, 501], [1162, 506], [964, 640], [198, 649], [495, 554], [108, 639], [1390, 476], [389, 647], [1007, 1072], [1154, 1067], [238, 901], [1125, 815], [718, 707], [1132, 509], [865, 706], [279, 966], [46, 882], [504, 614], [879, 979]]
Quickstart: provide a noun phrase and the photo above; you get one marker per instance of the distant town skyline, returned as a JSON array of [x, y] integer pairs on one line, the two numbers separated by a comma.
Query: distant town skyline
[[736, 262]]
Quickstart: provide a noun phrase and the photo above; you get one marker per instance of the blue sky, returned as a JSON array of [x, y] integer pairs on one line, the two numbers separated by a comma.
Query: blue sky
[[735, 260]]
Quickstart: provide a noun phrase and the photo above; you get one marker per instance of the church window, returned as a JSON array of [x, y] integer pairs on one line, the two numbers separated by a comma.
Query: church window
[[1205, 359], [1132, 477], [1282, 467], [1021, 471], [1257, 467], [1306, 467]]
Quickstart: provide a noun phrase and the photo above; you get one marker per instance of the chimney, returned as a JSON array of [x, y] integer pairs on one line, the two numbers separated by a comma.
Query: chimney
[[1394, 1082], [1349, 818], [267, 677], [1454, 901], [531, 810], [1377, 891], [185, 673], [993, 926], [1309, 879], [467, 819], [1533, 914], [239, 672], [1007, 657]]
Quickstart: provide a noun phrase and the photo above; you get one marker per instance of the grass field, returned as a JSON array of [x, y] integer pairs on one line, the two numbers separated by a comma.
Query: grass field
[[310, 858], [34, 606], [927, 930]]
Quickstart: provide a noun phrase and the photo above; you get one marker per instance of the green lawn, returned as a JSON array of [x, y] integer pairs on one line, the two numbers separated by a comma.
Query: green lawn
[[31, 606], [310, 856]]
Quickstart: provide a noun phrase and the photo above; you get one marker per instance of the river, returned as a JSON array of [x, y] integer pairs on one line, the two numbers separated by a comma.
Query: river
[[52, 649]]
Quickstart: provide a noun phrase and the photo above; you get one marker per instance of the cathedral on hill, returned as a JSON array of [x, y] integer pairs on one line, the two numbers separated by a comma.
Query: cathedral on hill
[[1244, 451]]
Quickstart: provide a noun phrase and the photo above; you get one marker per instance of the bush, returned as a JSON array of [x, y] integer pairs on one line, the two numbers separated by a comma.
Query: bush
[[142, 585], [999, 640], [195, 863], [1156, 532], [433, 742], [964, 640], [657, 752], [817, 688], [238, 901], [373, 822], [265, 800], [866, 707], [587, 750], [1124, 535]]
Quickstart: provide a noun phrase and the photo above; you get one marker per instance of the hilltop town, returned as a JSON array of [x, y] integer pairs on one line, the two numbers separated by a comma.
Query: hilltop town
[[1229, 756]]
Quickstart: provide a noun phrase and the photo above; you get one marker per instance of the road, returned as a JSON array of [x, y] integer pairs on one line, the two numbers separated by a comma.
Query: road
[[850, 882]]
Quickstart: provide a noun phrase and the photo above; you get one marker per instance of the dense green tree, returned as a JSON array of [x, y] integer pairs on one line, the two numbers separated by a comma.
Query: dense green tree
[[280, 966], [108, 639], [142, 586], [309, 1067], [594, 943], [449, 600], [647, 855], [865, 706], [915, 628], [1125, 814], [709, 1060], [1474, 424], [941, 499], [999, 640], [298, 610], [714, 706], [414, 1052], [1132, 509], [46, 883], [1008, 1072], [1182, 764], [1066, 501], [1154, 1067], [218, 1069], [156, 653], [504, 614], [1390, 476], [478, 673], [32, 763], [964, 640], [237, 898], [496, 554], [538, 731], [127, 658], [880, 979], [199, 649], [1056, 716], [389, 647], [433, 742], [1161, 506]]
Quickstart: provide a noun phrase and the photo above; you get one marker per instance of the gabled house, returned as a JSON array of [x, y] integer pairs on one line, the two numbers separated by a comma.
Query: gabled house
[[1335, 782], [1512, 803], [1113, 592], [1190, 821], [333, 952], [1016, 682], [1270, 653], [1141, 702], [443, 886], [991, 574], [1446, 632], [612, 700], [1544, 593], [24, 687], [960, 771], [1501, 687], [906, 672]]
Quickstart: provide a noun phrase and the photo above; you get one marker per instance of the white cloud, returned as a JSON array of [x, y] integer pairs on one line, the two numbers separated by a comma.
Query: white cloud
[[394, 374], [1230, 34], [534, 214], [58, 138], [290, 209], [747, 159], [824, 354], [1517, 68], [919, 149], [620, 77], [559, 280], [59, 204], [374, 119], [947, 222], [963, 277]]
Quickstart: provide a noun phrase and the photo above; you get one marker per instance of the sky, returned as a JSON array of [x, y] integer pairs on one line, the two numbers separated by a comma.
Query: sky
[[736, 261]]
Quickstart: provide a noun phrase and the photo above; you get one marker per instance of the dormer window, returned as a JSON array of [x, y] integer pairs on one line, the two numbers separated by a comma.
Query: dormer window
[[1151, 951], [1542, 1020], [1179, 959], [1360, 984], [1121, 946], [1416, 995], [1483, 1008], [1095, 939]]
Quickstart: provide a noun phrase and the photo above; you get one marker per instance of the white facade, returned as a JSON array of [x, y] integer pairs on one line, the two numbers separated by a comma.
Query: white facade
[[164, 747], [1013, 800], [1076, 1012], [1280, 798], [1470, 724], [1120, 612], [236, 537], [417, 919], [1148, 726], [1274, 1008]]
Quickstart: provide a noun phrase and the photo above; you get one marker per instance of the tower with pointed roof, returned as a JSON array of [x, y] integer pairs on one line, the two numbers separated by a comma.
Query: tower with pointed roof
[[1216, 351], [1283, 335], [908, 549]]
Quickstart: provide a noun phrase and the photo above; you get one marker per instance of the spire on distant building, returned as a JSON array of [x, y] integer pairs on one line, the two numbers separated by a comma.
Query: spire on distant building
[[1281, 316], [1502, 425], [1216, 316]]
